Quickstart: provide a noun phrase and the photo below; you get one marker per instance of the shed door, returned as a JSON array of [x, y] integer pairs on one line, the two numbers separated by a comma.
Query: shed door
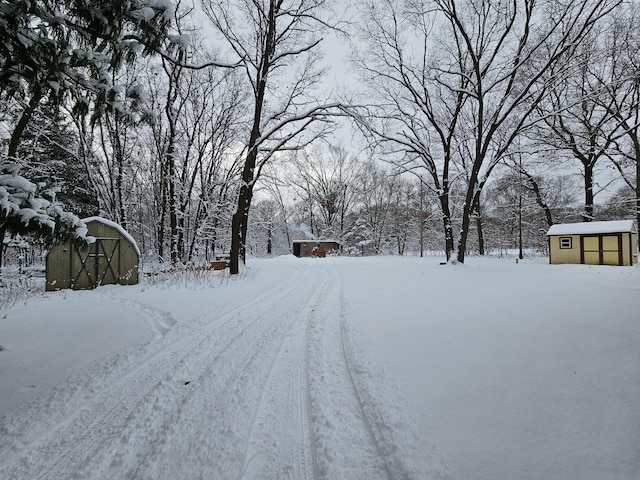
[[96, 264], [611, 250], [602, 250], [591, 248]]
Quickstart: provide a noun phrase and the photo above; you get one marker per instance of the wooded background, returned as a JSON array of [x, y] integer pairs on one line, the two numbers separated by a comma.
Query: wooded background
[[467, 126]]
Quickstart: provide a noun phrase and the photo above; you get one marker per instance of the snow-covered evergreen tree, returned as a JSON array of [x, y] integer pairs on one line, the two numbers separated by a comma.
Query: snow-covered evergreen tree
[[24, 210], [56, 51]]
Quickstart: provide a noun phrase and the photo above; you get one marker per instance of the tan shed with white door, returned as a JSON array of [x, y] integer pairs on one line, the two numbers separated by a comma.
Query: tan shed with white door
[[594, 243], [113, 258]]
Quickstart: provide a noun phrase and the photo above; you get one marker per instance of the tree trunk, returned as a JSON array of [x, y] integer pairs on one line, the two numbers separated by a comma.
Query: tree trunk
[[421, 218], [587, 216], [269, 246], [638, 191], [16, 135], [160, 228], [446, 221], [14, 143], [520, 253], [173, 207], [2, 232], [479, 228], [539, 199], [464, 230], [240, 220], [239, 227], [119, 157], [448, 236], [236, 241], [467, 211], [636, 147]]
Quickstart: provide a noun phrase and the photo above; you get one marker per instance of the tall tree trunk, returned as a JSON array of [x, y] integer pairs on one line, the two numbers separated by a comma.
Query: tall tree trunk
[[21, 125], [587, 215], [421, 219], [539, 199], [467, 211], [520, 252], [14, 143], [239, 225], [120, 160], [240, 220], [444, 195], [2, 233], [446, 221], [638, 191], [464, 230], [269, 245], [173, 204], [160, 228], [479, 228], [636, 148], [448, 237]]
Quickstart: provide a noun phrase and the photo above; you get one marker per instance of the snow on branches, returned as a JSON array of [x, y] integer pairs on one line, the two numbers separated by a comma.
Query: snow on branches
[[68, 50], [26, 211]]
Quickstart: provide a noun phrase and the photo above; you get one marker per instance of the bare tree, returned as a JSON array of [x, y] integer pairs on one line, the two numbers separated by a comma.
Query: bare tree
[[328, 178], [276, 42], [460, 81], [196, 112], [520, 206], [376, 188], [408, 215], [620, 84], [579, 118]]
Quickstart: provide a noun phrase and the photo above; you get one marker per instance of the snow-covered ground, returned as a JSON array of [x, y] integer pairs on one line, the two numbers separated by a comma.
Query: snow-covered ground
[[336, 368]]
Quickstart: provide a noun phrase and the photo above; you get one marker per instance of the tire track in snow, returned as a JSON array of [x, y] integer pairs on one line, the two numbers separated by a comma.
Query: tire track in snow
[[371, 425], [373, 438], [280, 444], [346, 442], [309, 429], [403, 454], [69, 447], [275, 391], [216, 422]]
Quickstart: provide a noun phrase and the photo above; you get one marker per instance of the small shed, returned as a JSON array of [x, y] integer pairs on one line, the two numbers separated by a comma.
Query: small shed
[[594, 243], [113, 258], [315, 248]]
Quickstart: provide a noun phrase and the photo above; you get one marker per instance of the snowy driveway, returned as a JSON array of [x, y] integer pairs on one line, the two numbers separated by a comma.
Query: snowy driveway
[[338, 368], [259, 388]]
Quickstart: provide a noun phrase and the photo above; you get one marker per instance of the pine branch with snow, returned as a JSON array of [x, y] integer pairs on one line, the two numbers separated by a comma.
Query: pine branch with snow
[[24, 210], [66, 50]]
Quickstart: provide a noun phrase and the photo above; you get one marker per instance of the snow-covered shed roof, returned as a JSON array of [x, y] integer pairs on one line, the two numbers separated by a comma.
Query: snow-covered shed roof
[[316, 240], [587, 228], [116, 226]]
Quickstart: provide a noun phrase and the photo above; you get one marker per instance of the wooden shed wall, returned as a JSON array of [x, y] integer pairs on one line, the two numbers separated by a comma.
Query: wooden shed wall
[[559, 255], [58, 267]]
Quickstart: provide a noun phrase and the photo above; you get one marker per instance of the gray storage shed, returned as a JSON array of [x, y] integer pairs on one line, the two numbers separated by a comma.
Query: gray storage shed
[[113, 258]]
